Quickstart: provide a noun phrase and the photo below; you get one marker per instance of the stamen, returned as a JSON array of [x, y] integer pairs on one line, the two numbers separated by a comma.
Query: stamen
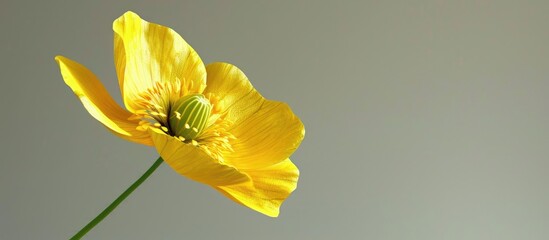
[[193, 118], [216, 139]]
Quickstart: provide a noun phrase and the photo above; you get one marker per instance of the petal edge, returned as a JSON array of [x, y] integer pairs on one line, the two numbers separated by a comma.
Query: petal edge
[[192, 162], [266, 131], [266, 137], [98, 102], [146, 53], [271, 186]]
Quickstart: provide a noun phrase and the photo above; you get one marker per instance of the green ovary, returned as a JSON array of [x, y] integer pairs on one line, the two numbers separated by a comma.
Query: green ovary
[[189, 116]]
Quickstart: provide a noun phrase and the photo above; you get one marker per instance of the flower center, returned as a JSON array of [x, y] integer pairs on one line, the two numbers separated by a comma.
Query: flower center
[[189, 116]]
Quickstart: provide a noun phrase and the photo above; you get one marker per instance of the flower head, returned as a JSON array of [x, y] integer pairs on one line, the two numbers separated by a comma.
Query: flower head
[[207, 122]]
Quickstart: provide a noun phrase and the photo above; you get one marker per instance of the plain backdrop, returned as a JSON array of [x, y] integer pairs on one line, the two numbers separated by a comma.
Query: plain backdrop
[[425, 120]]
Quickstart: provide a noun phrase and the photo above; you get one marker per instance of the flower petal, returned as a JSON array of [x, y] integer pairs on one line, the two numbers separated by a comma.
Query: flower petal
[[192, 162], [232, 87], [266, 132], [266, 137], [271, 186], [99, 103], [146, 53]]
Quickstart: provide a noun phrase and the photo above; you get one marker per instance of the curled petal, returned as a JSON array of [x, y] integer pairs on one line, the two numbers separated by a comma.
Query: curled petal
[[99, 103], [267, 132], [271, 186], [146, 53], [192, 162]]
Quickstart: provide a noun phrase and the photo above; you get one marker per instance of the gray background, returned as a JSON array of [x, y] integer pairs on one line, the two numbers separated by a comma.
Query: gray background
[[425, 120]]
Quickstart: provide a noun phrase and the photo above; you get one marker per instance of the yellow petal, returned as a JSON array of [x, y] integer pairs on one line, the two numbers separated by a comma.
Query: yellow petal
[[146, 53], [232, 87], [266, 132], [271, 186], [190, 161], [99, 103], [266, 137]]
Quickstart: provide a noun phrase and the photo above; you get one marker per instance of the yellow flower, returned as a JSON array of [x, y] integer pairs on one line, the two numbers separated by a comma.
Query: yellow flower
[[207, 122]]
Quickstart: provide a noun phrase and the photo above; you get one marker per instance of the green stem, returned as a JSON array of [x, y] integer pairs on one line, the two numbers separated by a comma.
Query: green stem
[[117, 201]]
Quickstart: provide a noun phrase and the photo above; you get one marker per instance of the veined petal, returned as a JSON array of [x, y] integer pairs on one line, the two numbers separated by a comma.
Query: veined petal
[[146, 53], [271, 186], [192, 162], [234, 90], [266, 137], [266, 132], [99, 103]]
